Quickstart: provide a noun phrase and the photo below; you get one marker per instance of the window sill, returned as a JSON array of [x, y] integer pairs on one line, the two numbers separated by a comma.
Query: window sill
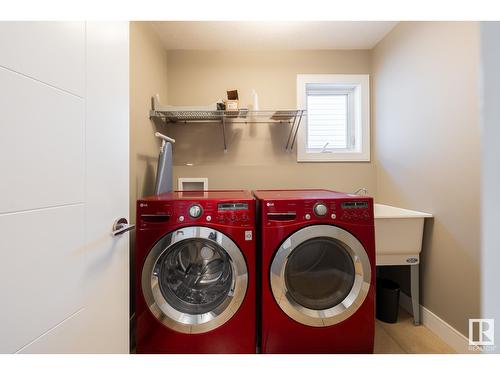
[[333, 161], [336, 158]]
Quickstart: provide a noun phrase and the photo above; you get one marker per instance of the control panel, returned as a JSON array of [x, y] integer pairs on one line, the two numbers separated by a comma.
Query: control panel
[[192, 212], [280, 212], [356, 211]]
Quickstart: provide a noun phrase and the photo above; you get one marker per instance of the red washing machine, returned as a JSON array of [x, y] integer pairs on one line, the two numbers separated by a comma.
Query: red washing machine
[[195, 273], [318, 272]]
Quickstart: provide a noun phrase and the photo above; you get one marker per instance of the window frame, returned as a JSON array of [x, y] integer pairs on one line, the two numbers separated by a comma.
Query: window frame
[[359, 113]]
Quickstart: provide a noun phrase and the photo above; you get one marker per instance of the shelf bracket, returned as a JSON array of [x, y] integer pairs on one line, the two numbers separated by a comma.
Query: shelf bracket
[[292, 126], [293, 131], [296, 130], [223, 122]]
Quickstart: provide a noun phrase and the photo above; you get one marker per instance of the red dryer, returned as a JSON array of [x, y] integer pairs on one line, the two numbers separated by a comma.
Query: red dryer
[[195, 273], [318, 272]]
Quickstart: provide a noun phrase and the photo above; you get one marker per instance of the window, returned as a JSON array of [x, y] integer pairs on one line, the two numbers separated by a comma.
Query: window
[[337, 122]]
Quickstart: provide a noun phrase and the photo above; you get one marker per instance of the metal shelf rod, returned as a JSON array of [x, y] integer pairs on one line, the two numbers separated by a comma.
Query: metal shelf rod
[[227, 122]]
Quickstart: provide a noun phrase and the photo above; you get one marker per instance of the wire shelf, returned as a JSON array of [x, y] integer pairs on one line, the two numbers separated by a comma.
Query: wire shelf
[[241, 116]]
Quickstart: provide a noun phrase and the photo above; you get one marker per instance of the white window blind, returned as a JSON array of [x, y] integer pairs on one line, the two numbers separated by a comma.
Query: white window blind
[[337, 122], [328, 121]]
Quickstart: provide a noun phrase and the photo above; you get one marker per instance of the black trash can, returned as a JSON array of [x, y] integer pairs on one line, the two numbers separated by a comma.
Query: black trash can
[[387, 300]]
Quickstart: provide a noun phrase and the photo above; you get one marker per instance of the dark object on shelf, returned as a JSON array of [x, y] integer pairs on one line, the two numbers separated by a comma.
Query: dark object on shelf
[[221, 106], [232, 95], [387, 305], [232, 103]]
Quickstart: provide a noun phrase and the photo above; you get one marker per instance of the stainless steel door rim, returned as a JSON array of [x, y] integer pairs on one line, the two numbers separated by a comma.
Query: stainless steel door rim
[[165, 311], [356, 295]]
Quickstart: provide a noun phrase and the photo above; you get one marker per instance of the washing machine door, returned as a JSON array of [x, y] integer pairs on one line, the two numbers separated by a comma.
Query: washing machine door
[[194, 279], [320, 275]]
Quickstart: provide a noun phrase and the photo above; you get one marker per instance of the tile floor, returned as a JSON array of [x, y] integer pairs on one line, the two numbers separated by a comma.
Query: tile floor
[[405, 338]]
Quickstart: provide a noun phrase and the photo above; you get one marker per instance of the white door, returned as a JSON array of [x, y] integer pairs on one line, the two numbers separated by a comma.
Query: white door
[[64, 180]]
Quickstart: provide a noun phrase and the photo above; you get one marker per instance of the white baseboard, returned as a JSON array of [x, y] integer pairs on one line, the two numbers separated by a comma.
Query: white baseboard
[[438, 326]]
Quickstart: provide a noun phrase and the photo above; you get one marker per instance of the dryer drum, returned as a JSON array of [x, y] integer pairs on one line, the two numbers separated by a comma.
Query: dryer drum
[[319, 273], [195, 275], [194, 279]]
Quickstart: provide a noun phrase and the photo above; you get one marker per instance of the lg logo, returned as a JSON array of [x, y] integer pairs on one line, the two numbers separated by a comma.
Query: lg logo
[[270, 204]]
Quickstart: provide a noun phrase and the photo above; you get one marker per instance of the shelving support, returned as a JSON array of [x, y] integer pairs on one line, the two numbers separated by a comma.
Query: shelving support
[[224, 132]]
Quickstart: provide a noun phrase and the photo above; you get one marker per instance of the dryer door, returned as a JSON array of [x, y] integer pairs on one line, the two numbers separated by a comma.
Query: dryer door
[[194, 279], [320, 275]]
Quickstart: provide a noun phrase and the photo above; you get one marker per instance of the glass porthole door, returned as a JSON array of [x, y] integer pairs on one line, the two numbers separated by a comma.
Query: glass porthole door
[[320, 275], [194, 279]]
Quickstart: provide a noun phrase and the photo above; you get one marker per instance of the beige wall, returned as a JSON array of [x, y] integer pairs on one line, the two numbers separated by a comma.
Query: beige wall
[[427, 147], [148, 76], [256, 157]]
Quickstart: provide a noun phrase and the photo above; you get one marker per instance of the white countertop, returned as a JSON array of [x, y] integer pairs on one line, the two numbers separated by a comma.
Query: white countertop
[[383, 211]]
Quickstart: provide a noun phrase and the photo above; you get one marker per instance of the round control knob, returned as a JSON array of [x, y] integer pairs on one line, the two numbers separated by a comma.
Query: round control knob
[[320, 209], [195, 211], [181, 218], [209, 218], [333, 216], [308, 216]]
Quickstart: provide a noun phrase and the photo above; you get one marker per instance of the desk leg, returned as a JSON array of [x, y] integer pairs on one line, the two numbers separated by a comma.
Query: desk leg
[[415, 294]]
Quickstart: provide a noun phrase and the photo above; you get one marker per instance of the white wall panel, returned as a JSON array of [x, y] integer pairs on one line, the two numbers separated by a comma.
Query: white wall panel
[[42, 272], [66, 338], [51, 52], [42, 143]]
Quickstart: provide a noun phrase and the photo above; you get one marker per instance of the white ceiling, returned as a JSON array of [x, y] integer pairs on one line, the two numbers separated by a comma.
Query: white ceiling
[[211, 35]]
